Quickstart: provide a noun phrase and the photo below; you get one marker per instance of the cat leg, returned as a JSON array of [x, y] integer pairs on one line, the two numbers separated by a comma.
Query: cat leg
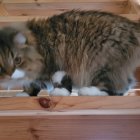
[[91, 91], [104, 91], [62, 84], [61, 81]]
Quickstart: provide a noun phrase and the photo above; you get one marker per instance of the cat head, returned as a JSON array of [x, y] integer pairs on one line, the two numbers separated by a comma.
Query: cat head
[[19, 52], [7, 66], [26, 55]]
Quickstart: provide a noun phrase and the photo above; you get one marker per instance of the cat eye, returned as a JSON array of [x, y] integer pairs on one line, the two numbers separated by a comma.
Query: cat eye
[[18, 60]]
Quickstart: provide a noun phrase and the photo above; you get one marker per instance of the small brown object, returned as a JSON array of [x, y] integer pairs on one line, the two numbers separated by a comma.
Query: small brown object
[[44, 102]]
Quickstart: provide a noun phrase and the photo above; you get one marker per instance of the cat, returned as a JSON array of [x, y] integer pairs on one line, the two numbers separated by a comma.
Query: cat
[[97, 52]]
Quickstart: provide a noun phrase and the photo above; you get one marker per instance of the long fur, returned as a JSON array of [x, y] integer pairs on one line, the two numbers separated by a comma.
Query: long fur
[[94, 48]]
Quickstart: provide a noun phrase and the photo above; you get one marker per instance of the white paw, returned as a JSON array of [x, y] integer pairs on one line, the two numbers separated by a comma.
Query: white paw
[[18, 74], [59, 92], [22, 94], [58, 76], [91, 91]]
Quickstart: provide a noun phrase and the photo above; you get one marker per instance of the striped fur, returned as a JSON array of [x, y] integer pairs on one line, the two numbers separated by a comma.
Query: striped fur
[[94, 49]]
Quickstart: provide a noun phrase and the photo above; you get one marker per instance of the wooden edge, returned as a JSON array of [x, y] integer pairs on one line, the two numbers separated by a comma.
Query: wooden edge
[[71, 103], [58, 1], [70, 127], [89, 112], [134, 17]]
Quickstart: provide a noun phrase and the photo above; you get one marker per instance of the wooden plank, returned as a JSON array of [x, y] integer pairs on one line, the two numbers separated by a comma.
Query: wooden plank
[[70, 127], [9, 93], [43, 113], [69, 103], [55, 8], [5, 19], [60, 1], [76, 118]]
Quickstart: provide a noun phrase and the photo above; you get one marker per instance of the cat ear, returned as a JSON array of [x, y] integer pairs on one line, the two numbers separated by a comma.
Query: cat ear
[[20, 39]]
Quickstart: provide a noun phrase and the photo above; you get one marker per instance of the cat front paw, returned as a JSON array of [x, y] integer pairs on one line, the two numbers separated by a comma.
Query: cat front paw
[[59, 92], [33, 88], [61, 80]]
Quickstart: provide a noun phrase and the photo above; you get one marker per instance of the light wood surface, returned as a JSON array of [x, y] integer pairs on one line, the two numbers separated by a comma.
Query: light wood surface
[[60, 1], [70, 127], [9, 19], [69, 103], [71, 118], [51, 7]]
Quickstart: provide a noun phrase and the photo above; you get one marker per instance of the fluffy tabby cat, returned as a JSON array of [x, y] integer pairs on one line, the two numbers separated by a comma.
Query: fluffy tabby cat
[[97, 52]]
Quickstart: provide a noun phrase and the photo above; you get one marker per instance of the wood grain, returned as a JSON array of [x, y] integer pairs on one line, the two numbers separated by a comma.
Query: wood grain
[[51, 7], [70, 127], [69, 103], [60, 1], [56, 8], [8, 19], [71, 118]]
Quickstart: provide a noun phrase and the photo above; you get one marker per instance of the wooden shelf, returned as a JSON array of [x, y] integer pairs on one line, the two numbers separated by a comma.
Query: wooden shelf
[[60, 1], [71, 103], [71, 118]]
